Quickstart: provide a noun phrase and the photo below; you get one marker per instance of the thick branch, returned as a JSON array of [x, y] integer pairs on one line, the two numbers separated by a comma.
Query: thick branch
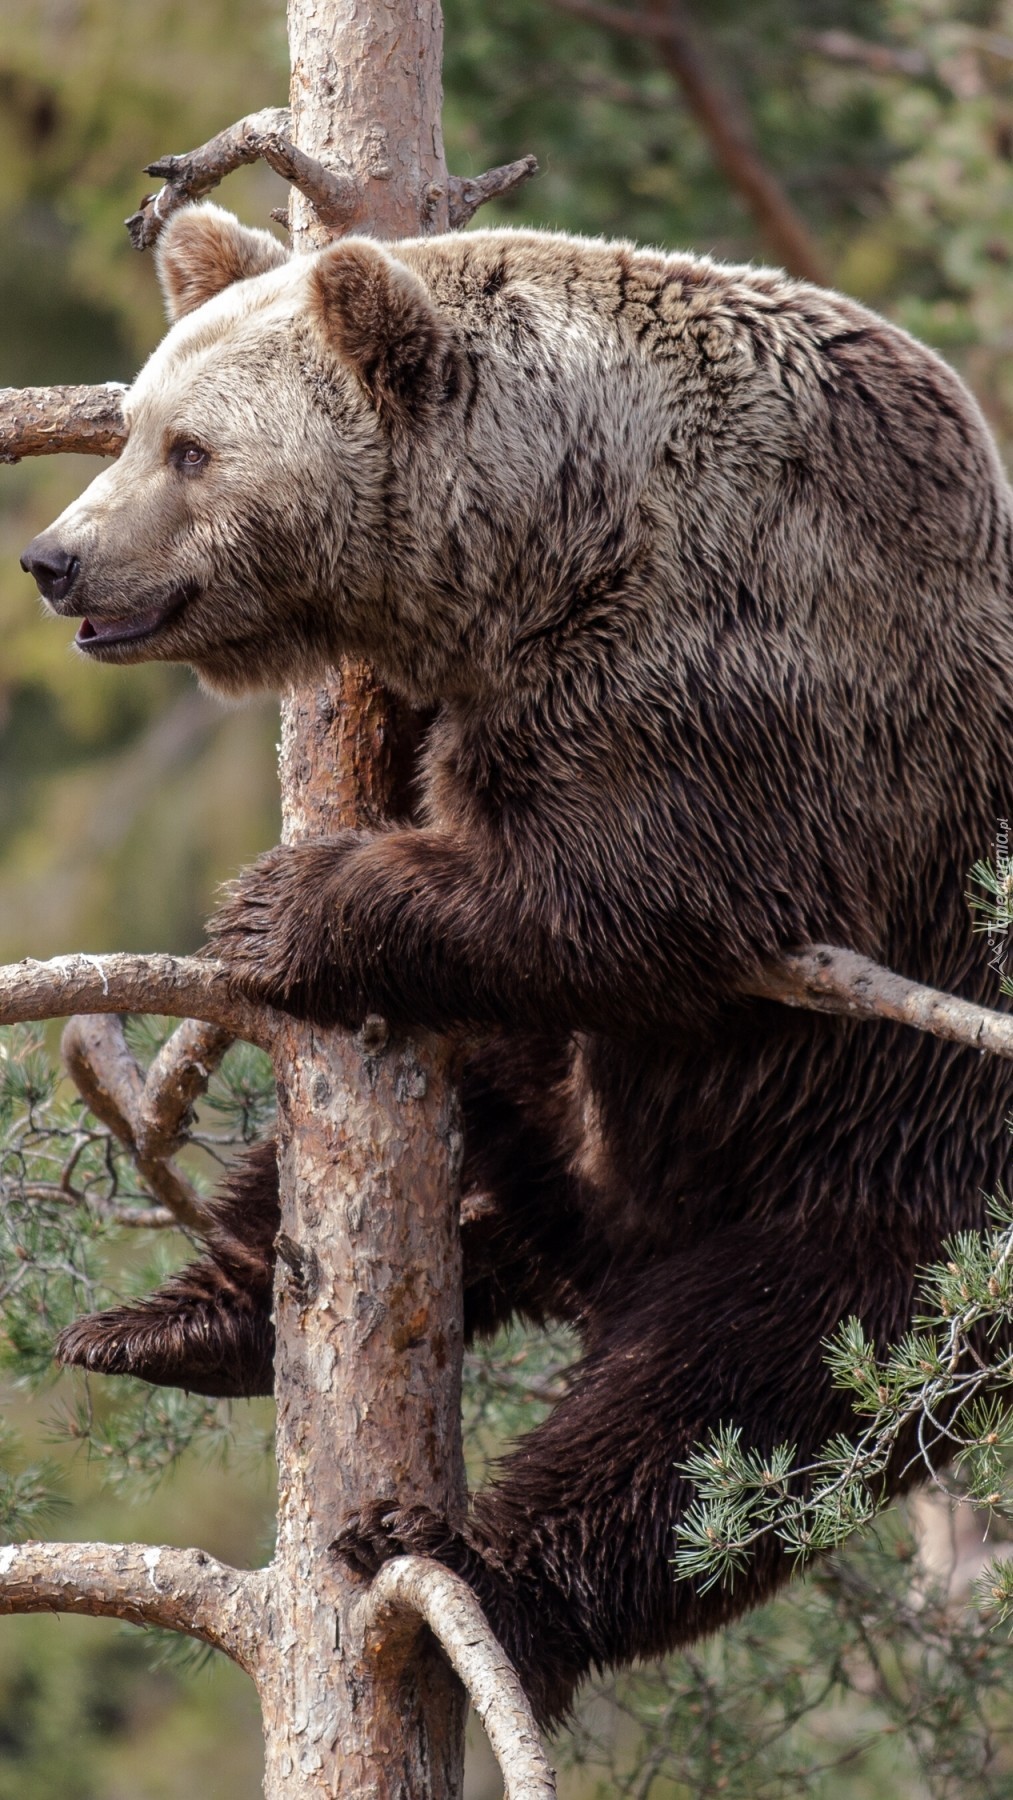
[[823, 978], [411, 1588], [179, 1590], [263, 136], [148, 1113], [722, 120], [43, 421], [183, 987], [466, 193]]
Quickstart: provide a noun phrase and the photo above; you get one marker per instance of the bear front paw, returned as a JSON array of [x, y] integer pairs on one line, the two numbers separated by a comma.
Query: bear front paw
[[278, 931], [371, 1536], [375, 1533], [203, 1346]]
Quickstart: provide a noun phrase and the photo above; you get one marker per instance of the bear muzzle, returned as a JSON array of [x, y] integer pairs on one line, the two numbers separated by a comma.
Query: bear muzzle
[[57, 574]]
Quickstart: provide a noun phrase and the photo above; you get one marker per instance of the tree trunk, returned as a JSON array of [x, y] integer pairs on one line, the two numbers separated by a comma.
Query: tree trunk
[[368, 1301]]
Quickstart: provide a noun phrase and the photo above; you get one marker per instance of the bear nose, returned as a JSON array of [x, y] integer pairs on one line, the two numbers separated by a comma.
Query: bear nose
[[55, 570]]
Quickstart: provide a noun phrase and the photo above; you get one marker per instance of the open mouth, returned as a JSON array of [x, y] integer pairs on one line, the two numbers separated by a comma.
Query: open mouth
[[106, 634]]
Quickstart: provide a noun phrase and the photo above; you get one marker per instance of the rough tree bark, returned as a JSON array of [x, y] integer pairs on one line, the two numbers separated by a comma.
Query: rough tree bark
[[368, 1308]]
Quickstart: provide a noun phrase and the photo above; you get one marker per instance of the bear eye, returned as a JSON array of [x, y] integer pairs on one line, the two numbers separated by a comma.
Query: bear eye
[[189, 457]]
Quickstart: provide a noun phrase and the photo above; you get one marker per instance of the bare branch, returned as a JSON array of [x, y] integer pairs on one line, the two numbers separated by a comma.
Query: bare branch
[[112, 1083], [148, 1218], [177, 1077], [262, 136], [183, 987], [466, 193], [823, 978], [155, 1107], [617, 18], [42, 421], [721, 118], [879, 59], [133, 1218], [411, 1588], [179, 1590]]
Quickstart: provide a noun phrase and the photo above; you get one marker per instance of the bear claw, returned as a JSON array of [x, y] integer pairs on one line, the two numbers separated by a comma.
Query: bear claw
[[370, 1536]]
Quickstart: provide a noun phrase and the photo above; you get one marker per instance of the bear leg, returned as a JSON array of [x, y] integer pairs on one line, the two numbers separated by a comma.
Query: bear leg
[[208, 1329], [570, 1551], [525, 1240]]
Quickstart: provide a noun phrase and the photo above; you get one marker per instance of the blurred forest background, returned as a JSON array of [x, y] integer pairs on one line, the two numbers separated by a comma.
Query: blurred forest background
[[886, 126]]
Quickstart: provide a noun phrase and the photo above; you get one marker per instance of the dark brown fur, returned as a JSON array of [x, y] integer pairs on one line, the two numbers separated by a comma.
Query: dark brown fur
[[734, 681]]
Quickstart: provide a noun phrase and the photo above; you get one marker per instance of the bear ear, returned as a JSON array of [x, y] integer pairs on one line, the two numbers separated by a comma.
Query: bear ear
[[203, 249], [379, 317]]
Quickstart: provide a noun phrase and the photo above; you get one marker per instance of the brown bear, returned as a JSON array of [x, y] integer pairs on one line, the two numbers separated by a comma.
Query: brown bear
[[707, 574]]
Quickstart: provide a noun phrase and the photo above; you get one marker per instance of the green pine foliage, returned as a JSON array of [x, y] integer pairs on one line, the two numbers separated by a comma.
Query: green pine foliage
[[938, 1399], [870, 1678]]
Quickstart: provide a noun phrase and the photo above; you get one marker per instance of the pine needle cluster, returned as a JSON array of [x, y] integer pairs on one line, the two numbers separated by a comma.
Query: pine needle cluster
[[936, 1402]]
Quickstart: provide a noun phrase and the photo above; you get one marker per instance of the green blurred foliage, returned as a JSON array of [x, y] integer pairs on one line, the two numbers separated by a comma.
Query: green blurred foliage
[[127, 795], [89, 1709]]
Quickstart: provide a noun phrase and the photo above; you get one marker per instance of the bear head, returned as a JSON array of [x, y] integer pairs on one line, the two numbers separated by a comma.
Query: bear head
[[243, 528]]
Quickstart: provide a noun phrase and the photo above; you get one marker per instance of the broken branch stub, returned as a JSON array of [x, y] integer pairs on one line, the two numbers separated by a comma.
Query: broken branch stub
[[261, 137], [466, 193], [45, 421]]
